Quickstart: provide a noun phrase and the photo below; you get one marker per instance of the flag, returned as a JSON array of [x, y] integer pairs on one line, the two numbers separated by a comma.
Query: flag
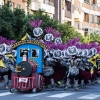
[[24, 38], [28, 36]]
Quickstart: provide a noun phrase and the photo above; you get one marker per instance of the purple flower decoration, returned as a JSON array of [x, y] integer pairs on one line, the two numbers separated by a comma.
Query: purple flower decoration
[[61, 46], [9, 42], [36, 23], [49, 30], [12, 42], [93, 45], [56, 34], [4, 40], [72, 42], [98, 49]]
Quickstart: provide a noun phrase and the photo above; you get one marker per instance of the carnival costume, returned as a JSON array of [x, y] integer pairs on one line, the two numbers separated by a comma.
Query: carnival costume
[[7, 62]]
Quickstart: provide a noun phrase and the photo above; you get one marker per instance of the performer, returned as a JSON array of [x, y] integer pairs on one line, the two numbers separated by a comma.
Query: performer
[[6, 64], [73, 70], [49, 69]]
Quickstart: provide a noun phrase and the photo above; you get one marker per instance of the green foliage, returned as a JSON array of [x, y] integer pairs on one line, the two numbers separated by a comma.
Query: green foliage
[[95, 37], [68, 32], [13, 24], [6, 22], [20, 23]]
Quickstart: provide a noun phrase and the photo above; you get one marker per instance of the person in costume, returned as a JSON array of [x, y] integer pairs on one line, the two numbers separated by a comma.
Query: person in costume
[[7, 63], [37, 31], [83, 74], [73, 69]]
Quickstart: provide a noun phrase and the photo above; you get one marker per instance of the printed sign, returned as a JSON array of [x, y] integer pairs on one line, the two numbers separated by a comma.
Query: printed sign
[[23, 80]]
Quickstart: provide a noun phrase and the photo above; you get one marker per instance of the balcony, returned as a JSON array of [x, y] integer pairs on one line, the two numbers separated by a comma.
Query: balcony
[[86, 1], [44, 1], [92, 25], [35, 5], [67, 14], [48, 2]]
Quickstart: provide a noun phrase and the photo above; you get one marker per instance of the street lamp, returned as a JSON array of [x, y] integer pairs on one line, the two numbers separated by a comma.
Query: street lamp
[[93, 7]]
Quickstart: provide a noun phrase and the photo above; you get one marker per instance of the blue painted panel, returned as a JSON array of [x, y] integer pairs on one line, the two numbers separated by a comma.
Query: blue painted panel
[[36, 59]]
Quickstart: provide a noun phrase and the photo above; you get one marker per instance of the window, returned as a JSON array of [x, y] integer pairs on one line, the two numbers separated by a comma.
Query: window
[[35, 52], [86, 29], [86, 17], [94, 1], [18, 6], [23, 52], [92, 18], [68, 6], [98, 19], [86, 32], [86, 1]]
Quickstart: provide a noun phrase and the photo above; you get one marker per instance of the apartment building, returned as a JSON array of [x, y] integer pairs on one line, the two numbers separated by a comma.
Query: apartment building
[[46, 5], [64, 11], [87, 16], [68, 11], [79, 13], [1, 3], [16, 4]]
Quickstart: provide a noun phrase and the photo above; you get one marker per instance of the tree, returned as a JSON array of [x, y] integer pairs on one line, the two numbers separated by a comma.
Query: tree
[[68, 32], [95, 37], [13, 24], [20, 26], [6, 22]]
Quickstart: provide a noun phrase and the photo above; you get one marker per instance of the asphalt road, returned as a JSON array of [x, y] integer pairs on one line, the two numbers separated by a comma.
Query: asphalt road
[[89, 93]]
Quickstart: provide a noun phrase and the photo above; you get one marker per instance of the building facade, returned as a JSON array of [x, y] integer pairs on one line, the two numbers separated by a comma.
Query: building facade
[[78, 13], [46, 5], [91, 16]]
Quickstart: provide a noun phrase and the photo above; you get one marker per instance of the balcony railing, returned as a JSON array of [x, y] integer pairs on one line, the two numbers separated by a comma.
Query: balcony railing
[[48, 2], [67, 14], [86, 1], [44, 1]]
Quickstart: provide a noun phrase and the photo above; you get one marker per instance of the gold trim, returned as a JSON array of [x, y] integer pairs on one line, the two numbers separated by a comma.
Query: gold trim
[[29, 42], [17, 68]]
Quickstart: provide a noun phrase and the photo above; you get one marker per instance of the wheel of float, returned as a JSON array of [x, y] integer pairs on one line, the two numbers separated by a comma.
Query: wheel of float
[[12, 90], [18, 90], [41, 84], [34, 90], [40, 89]]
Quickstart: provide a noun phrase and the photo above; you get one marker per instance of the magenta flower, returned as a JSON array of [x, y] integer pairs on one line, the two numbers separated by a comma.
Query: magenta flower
[[36, 23], [49, 30], [56, 33]]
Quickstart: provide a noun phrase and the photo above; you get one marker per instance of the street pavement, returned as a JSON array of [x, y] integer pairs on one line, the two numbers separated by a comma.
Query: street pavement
[[91, 92]]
